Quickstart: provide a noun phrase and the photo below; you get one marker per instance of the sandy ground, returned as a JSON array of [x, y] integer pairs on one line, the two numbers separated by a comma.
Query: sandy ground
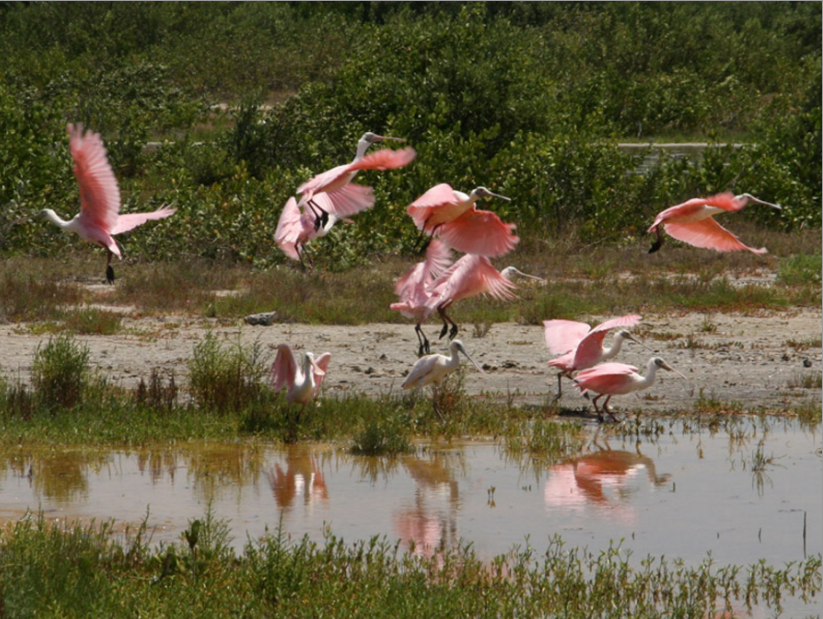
[[730, 358]]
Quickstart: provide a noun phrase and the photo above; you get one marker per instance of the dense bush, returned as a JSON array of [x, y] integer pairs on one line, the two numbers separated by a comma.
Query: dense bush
[[529, 99]]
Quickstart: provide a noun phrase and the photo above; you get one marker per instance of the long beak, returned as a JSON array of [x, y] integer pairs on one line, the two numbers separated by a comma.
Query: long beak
[[386, 137], [497, 195], [750, 199], [479, 369], [636, 341], [666, 366]]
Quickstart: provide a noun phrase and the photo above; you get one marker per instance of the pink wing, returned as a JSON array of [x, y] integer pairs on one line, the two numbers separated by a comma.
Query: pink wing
[[563, 363], [289, 229], [563, 336], [708, 234], [479, 232], [284, 368], [688, 209], [470, 276], [438, 259], [605, 378], [99, 192], [590, 349], [385, 159], [323, 363], [440, 199], [348, 200], [132, 220]]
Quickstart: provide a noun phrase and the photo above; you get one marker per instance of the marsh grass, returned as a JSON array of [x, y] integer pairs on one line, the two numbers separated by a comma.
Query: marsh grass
[[93, 321], [92, 570], [61, 373]]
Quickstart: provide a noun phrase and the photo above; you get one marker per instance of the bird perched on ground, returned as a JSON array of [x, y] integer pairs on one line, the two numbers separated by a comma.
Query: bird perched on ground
[[295, 229], [453, 216], [432, 369], [580, 346], [99, 219], [345, 197], [413, 289], [618, 379], [470, 276], [693, 222], [302, 382]]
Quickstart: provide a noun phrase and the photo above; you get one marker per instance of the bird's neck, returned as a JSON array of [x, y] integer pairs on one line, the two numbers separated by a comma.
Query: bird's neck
[[55, 218], [617, 344], [362, 147], [651, 373]]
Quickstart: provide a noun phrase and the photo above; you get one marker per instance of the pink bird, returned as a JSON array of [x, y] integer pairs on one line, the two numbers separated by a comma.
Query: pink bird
[[99, 218], [611, 379], [693, 222], [346, 198], [296, 228], [468, 277], [453, 216], [581, 346], [413, 289], [303, 382]]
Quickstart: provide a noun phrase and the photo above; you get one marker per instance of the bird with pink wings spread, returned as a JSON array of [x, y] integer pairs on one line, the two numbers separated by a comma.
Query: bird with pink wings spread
[[693, 222], [302, 382]]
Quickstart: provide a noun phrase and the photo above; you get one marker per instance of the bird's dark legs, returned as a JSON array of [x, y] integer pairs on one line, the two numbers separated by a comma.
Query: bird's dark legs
[[606, 408], [436, 407], [658, 243], [597, 410], [302, 249], [423, 341], [109, 269], [321, 216], [420, 238], [559, 386], [446, 322]]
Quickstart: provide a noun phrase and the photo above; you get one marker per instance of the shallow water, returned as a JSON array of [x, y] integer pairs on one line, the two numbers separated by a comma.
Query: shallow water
[[682, 489]]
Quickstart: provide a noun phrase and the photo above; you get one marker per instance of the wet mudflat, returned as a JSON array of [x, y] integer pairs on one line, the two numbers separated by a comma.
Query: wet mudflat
[[741, 488]]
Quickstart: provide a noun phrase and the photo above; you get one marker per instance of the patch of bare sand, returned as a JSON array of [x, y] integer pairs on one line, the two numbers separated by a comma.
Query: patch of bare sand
[[729, 357]]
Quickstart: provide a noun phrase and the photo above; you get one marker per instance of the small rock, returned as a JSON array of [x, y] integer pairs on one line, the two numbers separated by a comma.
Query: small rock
[[807, 363], [265, 319]]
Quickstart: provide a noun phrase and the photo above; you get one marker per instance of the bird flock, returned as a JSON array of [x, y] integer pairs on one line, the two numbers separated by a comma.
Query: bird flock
[[448, 220]]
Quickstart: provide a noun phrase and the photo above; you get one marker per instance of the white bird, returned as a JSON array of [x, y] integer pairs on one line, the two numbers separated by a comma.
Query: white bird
[[432, 369], [303, 382]]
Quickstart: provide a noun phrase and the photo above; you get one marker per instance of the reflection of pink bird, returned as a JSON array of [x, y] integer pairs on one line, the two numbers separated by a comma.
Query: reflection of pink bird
[[295, 228], [99, 218], [413, 288], [618, 379], [468, 277], [581, 346], [345, 197], [693, 222], [303, 382], [453, 216]]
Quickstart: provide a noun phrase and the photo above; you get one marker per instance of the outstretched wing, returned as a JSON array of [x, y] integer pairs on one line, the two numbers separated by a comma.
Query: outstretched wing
[[479, 232], [289, 229], [284, 368], [385, 159], [563, 336], [590, 349], [99, 192], [470, 276], [708, 234], [321, 362], [128, 221]]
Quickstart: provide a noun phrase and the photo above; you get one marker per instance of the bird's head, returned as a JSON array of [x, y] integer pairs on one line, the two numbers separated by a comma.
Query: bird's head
[[372, 138], [482, 192], [458, 345], [511, 272], [747, 198], [665, 366], [625, 335]]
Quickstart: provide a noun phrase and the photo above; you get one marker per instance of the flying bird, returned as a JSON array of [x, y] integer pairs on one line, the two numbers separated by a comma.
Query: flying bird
[[432, 369], [295, 229], [413, 289], [453, 216], [99, 219], [470, 276], [611, 379], [302, 382], [580, 346], [347, 198], [693, 222]]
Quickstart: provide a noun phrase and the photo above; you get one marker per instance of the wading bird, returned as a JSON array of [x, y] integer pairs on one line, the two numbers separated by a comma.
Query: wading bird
[[345, 197], [453, 216], [99, 218], [468, 277], [412, 289], [617, 379], [580, 346], [302, 383], [432, 369], [295, 229], [693, 222]]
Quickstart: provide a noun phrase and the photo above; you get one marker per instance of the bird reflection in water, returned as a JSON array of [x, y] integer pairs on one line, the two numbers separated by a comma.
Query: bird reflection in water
[[302, 477], [605, 479]]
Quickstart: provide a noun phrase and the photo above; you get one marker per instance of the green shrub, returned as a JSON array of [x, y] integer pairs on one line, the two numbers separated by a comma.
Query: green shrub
[[61, 373]]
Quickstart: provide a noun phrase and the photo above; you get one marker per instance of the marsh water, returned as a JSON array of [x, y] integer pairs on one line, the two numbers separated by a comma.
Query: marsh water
[[742, 489]]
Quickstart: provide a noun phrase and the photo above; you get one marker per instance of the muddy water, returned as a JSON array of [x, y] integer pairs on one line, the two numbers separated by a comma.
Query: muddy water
[[745, 490]]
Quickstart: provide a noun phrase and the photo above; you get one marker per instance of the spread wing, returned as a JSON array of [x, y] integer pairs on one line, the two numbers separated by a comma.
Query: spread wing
[[708, 234], [479, 232], [284, 368], [563, 336], [99, 192]]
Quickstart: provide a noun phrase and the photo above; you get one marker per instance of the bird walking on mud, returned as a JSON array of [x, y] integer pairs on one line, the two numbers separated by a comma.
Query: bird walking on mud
[[453, 216], [432, 369], [99, 219], [580, 346], [302, 382], [693, 222], [345, 197], [611, 379]]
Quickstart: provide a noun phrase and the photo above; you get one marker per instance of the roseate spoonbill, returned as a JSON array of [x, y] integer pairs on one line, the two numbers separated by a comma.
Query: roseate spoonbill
[[470, 276], [618, 379], [99, 218], [432, 369], [581, 346], [295, 229], [413, 291], [511, 272], [346, 198], [453, 216], [302, 383], [693, 222]]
